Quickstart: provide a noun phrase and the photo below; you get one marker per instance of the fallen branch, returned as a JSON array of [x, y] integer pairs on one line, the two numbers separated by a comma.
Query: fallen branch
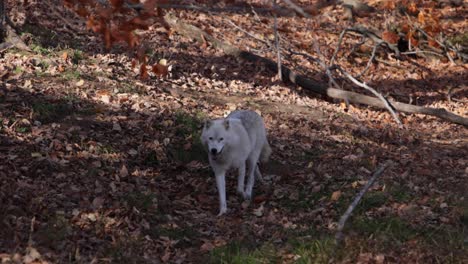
[[387, 105], [380, 96], [444, 44], [248, 33], [453, 90], [304, 82], [347, 214], [369, 63]]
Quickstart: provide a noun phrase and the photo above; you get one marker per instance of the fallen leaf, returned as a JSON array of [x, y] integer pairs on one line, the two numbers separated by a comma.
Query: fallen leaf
[[116, 127], [207, 246], [123, 171], [336, 195], [98, 202], [259, 211], [80, 83]]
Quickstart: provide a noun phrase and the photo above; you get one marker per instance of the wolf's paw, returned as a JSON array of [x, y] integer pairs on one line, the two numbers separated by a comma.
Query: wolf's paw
[[222, 211], [247, 196]]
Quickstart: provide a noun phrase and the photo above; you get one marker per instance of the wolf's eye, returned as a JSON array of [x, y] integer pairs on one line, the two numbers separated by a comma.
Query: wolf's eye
[[221, 139], [210, 138]]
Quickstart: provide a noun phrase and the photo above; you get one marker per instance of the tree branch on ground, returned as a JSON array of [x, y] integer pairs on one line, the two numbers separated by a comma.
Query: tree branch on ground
[[352, 206], [248, 33], [303, 81], [355, 81]]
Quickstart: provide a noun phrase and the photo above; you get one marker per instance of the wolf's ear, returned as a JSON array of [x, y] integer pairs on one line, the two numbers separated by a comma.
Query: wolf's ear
[[226, 123], [207, 123]]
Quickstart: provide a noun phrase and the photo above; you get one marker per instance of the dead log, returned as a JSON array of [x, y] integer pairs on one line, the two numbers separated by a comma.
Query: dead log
[[301, 80]]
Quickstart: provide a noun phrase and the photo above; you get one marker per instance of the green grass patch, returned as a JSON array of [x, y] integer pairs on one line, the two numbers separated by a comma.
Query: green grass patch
[[321, 250], [143, 202], [18, 70], [55, 231], [23, 129], [460, 39], [188, 128], [389, 229], [195, 152], [313, 154], [444, 238], [41, 37], [242, 253], [186, 236], [105, 149], [71, 75], [401, 194], [125, 250], [47, 112], [76, 56], [371, 200], [125, 87], [41, 50], [307, 199], [187, 124], [151, 159]]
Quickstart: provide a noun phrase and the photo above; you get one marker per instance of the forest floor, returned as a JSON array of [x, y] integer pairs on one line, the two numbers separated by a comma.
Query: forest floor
[[97, 165]]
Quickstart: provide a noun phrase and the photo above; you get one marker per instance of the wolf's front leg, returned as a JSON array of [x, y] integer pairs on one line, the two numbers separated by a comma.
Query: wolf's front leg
[[221, 184], [241, 180]]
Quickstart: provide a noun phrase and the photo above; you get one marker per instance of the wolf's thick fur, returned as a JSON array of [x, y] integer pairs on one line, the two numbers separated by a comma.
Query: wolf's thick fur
[[237, 141]]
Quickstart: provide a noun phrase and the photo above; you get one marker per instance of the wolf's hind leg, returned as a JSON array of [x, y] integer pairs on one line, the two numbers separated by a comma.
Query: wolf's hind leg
[[252, 165], [241, 180], [258, 174]]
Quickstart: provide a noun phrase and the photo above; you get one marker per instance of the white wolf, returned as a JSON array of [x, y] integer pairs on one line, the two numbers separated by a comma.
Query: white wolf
[[237, 141]]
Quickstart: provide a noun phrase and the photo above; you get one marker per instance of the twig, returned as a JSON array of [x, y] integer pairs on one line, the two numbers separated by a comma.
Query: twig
[[347, 214], [31, 231], [248, 33], [421, 51], [450, 93], [340, 39], [370, 60], [277, 44], [378, 42], [387, 104], [303, 81], [445, 47], [367, 33], [357, 45]]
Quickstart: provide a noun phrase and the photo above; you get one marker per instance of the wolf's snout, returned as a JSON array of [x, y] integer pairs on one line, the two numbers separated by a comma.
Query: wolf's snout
[[214, 151]]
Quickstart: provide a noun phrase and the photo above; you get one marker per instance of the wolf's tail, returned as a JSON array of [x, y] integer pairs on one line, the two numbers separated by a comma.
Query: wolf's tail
[[266, 152]]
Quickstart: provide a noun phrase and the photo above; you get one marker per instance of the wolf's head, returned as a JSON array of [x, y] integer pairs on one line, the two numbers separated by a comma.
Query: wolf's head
[[215, 136]]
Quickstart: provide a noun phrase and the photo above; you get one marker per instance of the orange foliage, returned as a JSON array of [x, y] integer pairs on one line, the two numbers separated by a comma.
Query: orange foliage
[[117, 23], [390, 37], [160, 70]]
